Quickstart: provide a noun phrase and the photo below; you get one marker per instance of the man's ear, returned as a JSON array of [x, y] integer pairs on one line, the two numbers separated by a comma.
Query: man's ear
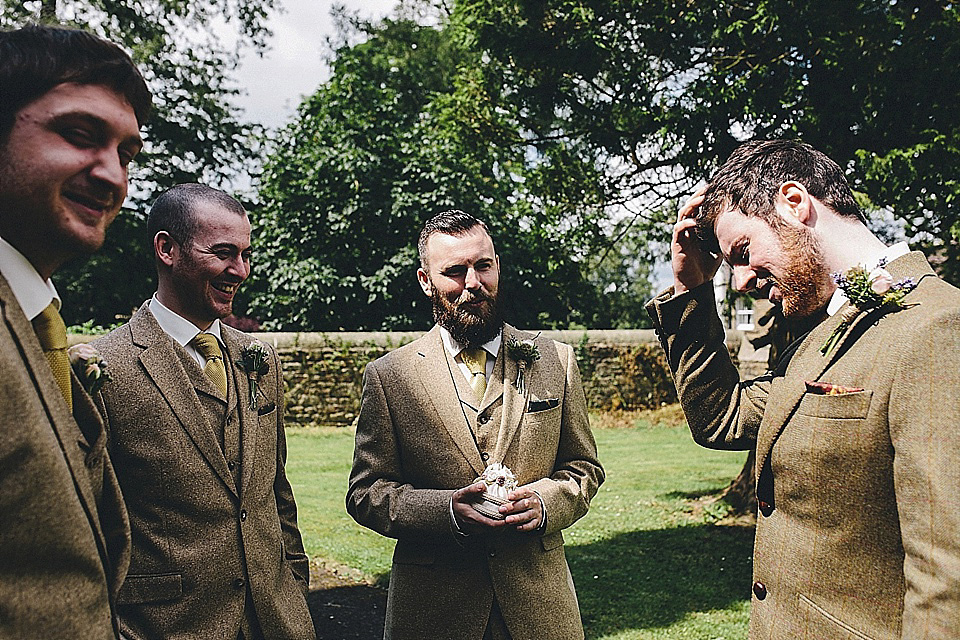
[[165, 248], [424, 279], [794, 203]]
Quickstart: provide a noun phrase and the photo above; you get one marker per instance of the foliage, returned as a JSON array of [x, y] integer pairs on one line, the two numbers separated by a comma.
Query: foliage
[[401, 132], [195, 134], [662, 91], [643, 565]]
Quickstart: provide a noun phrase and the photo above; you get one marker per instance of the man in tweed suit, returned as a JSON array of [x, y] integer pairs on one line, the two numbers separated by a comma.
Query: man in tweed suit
[[857, 428], [434, 414], [199, 446], [71, 105]]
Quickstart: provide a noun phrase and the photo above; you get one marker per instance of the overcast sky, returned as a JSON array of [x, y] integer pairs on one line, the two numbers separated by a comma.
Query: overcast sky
[[293, 67]]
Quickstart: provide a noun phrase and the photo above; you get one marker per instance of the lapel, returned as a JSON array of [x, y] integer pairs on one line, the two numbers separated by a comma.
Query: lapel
[[166, 369], [436, 373], [502, 385], [58, 413], [809, 364], [249, 418]]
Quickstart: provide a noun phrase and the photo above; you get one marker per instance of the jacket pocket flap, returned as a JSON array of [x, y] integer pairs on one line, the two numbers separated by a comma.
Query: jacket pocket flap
[[150, 588], [552, 541]]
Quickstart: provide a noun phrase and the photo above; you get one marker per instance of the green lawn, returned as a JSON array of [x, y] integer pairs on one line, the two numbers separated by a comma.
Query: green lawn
[[644, 566]]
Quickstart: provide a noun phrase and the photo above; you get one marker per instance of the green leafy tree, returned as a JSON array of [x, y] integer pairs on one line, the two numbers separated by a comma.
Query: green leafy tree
[[664, 90], [399, 133], [196, 133]]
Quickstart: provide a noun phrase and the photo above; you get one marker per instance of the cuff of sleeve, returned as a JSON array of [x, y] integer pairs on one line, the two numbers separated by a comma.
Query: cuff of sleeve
[[454, 524], [543, 510]]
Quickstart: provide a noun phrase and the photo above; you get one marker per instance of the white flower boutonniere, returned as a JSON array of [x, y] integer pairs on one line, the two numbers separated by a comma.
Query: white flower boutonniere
[[89, 366], [867, 291], [525, 352], [253, 360]]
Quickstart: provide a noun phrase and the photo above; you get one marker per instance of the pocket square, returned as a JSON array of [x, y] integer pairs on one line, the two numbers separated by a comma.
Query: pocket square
[[264, 409], [542, 405], [827, 389]]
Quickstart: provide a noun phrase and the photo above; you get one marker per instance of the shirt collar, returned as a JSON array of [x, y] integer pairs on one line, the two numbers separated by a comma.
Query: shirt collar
[[178, 327], [890, 254], [32, 292], [454, 348]]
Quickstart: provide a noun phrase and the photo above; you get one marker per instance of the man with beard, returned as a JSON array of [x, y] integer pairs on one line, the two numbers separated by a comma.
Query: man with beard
[[71, 107], [857, 428], [194, 417], [472, 393]]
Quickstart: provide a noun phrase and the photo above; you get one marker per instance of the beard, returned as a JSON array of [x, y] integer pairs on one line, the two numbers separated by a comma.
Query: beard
[[806, 285], [471, 328]]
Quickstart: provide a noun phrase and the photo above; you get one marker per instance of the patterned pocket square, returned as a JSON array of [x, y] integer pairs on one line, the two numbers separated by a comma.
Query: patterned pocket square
[[827, 389], [264, 409], [542, 405]]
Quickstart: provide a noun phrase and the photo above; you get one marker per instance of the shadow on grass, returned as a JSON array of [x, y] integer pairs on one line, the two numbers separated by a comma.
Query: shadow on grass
[[651, 579], [354, 612], [636, 580]]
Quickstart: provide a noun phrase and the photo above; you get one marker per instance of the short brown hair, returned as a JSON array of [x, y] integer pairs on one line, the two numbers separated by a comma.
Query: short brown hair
[[453, 222], [750, 178]]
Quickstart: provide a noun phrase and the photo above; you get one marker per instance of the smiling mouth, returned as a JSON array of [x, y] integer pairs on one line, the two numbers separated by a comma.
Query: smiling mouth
[[228, 289], [99, 205]]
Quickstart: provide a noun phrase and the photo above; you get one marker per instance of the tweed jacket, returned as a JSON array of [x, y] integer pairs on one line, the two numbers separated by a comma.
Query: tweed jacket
[[417, 443], [64, 536], [212, 530], [858, 534]]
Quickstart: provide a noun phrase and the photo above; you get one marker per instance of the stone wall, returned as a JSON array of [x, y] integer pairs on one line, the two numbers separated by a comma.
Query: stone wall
[[324, 371], [621, 370]]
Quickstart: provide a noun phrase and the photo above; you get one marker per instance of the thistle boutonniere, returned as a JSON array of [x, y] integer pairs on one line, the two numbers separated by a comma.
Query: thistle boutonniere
[[253, 359], [89, 366], [867, 291], [525, 352]]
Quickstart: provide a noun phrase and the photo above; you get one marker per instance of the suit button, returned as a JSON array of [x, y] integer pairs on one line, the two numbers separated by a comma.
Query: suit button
[[765, 508], [484, 456], [239, 583], [243, 515], [483, 419], [232, 465], [759, 590]]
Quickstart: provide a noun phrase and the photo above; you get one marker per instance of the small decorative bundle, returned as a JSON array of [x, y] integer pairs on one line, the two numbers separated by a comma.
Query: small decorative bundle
[[500, 481], [867, 291], [89, 366], [253, 360], [525, 352]]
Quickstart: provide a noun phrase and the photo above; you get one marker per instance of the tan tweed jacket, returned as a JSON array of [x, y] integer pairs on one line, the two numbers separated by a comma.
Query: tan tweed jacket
[[858, 534], [64, 537], [209, 528], [417, 443]]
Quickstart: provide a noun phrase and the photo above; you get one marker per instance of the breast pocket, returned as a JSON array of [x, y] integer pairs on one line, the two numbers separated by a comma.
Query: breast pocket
[[844, 406]]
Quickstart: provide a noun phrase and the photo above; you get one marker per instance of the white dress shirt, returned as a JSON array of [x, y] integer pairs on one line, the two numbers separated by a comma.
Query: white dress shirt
[[32, 292], [454, 348], [890, 254]]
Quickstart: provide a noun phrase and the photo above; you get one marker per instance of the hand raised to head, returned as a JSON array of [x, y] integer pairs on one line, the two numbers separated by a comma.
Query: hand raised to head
[[692, 265]]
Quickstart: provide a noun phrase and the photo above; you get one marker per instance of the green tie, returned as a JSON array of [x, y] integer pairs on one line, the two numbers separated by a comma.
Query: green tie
[[209, 348], [476, 363], [52, 334]]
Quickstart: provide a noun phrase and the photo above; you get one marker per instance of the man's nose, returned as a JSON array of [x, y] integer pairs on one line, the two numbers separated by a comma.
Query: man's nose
[[472, 280], [240, 267], [744, 278], [110, 170]]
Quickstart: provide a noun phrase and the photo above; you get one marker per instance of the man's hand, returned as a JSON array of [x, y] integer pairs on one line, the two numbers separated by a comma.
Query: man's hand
[[692, 266], [524, 511], [469, 519]]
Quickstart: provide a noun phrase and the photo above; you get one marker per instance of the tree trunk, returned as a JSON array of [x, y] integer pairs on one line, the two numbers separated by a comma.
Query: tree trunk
[[48, 11], [742, 492]]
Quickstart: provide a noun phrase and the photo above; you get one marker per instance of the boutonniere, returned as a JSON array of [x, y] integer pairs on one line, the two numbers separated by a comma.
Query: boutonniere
[[89, 366], [253, 360], [525, 352], [867, 291]]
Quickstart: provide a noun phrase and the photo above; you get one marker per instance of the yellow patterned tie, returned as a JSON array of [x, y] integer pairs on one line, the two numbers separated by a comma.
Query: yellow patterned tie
[[476, 363], [52, 334], [209, 348]]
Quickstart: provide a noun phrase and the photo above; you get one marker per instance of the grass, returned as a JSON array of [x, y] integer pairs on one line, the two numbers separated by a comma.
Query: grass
[[646, 564]]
